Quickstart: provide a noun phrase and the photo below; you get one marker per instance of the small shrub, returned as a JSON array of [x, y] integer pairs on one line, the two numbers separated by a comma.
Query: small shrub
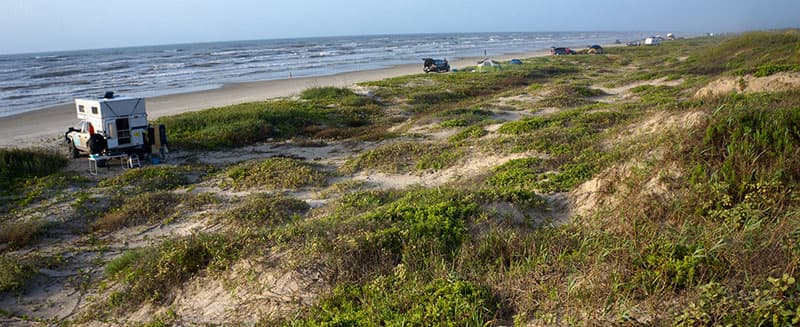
[[401, 157], [517, 173], [775, 304], [326, 93], [770, 69], [569, 96], [243, 124], [275, 173], [16, 164], [148, 274], [394, 301], [139, 209], [263, 209], [473, 132], [149, 179], [21, 233], [14, 274]]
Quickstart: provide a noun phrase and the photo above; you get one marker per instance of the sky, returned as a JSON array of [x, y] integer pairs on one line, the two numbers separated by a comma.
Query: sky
[[51, 25]]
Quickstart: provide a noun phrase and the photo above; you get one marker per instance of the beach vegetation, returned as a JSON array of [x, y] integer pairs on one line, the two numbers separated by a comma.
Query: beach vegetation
[[403, 157], [275, 173], [320, 108], [656, 208], [564, 96], [146, 207], [472, 132], [20, 233], [761, 52], [264, 210], [17, 165], [399, 300], [152, 178], [27, 175], [14, 273], [148, 274]]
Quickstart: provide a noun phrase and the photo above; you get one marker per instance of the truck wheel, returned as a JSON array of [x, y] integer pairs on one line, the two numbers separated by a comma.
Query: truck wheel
[[97, 144], [73, 151]]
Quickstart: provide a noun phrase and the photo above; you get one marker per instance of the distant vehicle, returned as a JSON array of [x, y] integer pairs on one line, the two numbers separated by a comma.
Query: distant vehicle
[[515, 62], [111, 124], [561, 51], [595, 49], [435, 65], [652, 41]]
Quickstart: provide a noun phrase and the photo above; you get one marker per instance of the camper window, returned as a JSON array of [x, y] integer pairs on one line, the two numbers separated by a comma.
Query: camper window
[[94, 110], [80, 108]]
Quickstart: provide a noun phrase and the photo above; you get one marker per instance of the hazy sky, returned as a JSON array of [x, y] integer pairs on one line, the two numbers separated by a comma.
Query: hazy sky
[[44, 25]]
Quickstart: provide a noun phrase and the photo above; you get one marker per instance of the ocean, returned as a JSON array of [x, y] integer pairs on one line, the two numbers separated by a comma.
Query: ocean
[[33, 81]]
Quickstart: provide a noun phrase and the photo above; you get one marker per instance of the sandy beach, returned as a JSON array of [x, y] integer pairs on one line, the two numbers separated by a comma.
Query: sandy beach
[[42, 126]]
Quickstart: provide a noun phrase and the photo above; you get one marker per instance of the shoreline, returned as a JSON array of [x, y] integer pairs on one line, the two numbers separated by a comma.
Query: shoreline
[[36, 127]]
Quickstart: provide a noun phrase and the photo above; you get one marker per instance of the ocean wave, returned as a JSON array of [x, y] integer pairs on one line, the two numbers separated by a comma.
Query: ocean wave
[[13, 88], [17, 97], [61, 73], [50, 58]]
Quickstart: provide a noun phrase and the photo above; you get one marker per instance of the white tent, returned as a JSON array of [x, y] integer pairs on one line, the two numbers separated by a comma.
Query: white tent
[[488, 65]]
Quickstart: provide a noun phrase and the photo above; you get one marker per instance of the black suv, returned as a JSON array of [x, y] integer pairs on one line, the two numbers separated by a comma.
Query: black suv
[[561, 51], [435, 65]]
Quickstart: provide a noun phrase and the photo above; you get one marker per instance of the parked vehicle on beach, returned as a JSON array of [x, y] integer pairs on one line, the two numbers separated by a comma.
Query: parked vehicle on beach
[[557, 51], [435, 65], [652, 41], [515, 62], [111, 125], [595, 49]]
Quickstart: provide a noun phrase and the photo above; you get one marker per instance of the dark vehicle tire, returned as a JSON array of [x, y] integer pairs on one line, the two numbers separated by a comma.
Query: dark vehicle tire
[[73, 151], [97, 144]]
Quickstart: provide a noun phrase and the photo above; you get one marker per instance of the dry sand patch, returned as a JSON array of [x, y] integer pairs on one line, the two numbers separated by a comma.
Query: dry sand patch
[[783, 81]]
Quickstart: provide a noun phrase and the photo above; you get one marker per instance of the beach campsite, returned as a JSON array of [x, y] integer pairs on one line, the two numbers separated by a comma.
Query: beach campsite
[[620, 185]]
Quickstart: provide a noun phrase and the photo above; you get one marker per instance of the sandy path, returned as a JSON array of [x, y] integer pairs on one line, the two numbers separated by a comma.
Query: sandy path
[[37, 127]]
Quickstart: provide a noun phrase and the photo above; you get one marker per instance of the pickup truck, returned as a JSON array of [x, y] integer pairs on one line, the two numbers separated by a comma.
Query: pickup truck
[[109, 125]]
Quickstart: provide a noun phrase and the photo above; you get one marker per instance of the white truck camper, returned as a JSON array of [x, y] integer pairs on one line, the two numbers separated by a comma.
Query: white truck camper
[[112, 125]]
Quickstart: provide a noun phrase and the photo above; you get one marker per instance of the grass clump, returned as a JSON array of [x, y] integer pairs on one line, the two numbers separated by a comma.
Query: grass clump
[[275, 173], [369, 233], [326, 93], [265, 210], [775, 304], [18, 234], [26, 175], [472, 132], [149, 179], [14, 274], [751, 142], [400, 157], [240, 125], [142, 208], [463, 117], [323, 111], [393, 300], [566, 96], [17, 165], [148, 274]]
